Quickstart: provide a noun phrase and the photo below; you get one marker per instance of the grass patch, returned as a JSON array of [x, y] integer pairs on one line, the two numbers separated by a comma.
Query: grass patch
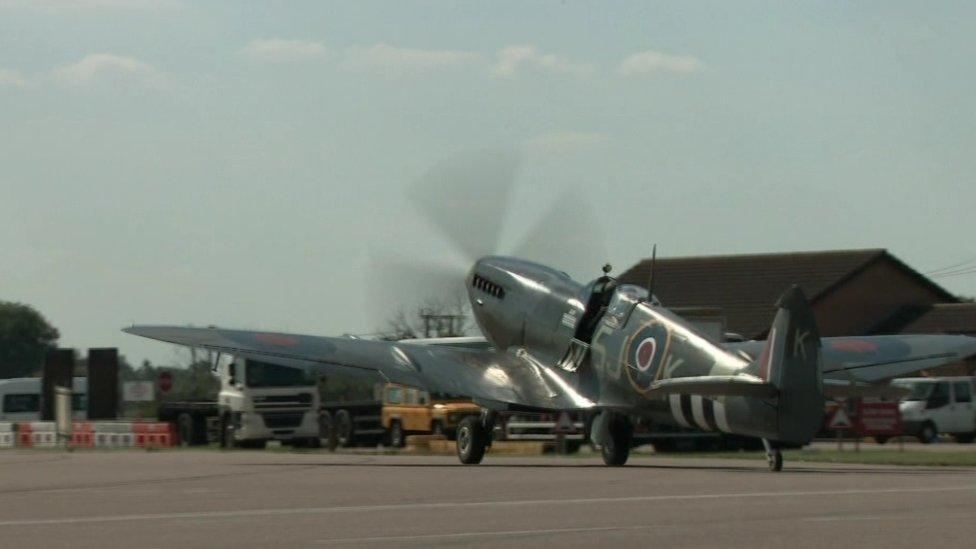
[[871, 457]]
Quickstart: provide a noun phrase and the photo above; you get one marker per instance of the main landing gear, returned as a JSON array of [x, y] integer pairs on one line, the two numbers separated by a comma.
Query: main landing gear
[[474, 437], [616, 449], [774, 457]]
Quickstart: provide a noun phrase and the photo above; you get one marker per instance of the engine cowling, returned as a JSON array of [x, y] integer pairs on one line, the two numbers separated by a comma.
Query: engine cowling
[[518, 303]]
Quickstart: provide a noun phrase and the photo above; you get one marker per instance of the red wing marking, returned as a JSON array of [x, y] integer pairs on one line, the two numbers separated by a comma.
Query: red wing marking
[[854, 345], [278, 340]]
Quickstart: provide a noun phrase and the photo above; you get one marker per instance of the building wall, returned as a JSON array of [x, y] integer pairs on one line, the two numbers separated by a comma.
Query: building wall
[[869, 298]]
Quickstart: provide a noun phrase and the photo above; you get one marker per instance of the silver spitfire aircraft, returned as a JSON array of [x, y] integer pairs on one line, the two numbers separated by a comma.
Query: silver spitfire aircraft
[[614, 350]]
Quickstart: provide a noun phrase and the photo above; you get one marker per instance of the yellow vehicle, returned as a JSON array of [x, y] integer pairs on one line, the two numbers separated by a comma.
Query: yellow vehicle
[[412, 411]]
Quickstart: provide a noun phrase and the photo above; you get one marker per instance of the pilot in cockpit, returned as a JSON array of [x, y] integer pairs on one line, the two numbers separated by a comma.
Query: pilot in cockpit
[[596, 305]]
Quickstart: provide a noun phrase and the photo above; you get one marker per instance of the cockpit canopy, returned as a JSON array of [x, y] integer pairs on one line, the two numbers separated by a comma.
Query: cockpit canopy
[[625, 298]]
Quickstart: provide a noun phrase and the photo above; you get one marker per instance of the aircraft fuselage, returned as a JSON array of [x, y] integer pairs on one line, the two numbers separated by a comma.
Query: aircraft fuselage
[[632, 344]]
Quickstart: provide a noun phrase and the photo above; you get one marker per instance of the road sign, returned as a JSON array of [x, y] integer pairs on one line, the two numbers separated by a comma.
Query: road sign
[[839, 420], [165, 381], [138, 391], [878, 418]]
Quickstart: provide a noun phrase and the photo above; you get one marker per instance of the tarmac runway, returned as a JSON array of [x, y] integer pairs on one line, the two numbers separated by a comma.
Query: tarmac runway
[[258, 499]]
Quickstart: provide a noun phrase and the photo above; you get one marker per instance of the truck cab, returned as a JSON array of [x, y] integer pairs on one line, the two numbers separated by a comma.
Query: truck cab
[[407, 410], [937, 405], [260, 401]]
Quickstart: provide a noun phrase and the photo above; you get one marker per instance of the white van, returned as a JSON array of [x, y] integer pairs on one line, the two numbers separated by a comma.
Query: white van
[[20, 399], [938, 405]]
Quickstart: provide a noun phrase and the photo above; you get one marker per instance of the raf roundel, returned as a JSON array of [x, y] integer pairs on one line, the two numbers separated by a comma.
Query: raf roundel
[[644, 356]]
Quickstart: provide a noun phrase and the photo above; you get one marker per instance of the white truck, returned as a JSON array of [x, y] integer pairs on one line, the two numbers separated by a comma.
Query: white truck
[[257, 402], [20, 399], [937, 405]]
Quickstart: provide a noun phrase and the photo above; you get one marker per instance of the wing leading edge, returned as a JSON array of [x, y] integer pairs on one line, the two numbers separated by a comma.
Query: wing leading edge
[[487, 376]]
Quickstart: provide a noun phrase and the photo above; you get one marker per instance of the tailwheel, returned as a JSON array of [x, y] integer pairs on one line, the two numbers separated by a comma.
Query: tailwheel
[[616, 450], [774, 457], [472, 440]]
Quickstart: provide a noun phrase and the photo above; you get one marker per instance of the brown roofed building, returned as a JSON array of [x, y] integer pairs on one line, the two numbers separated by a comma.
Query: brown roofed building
[[852, 292], [944, 318]]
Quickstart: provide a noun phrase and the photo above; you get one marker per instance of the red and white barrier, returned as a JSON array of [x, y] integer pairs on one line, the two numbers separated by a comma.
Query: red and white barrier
[[154, 434], [42, 434], [8, 437], [113, 434], [82, 434], [24, 435], [87, 434]]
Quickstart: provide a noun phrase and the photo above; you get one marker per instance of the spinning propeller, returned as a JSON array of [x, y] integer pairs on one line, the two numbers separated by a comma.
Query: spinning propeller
[[468, 199]]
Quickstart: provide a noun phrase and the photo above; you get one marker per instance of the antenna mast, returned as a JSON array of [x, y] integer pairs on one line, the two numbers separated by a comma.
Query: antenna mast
[[650, 282]]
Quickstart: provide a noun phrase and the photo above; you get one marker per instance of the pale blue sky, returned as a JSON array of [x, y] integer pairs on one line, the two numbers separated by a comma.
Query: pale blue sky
[[237, 164]]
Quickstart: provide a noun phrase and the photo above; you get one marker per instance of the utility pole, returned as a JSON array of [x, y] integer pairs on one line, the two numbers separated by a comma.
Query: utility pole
[[441, 325]]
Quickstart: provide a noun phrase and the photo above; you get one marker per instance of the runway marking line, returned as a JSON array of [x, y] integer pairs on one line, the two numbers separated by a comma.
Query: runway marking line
[[469, 504], [486, 534], [861, 518]]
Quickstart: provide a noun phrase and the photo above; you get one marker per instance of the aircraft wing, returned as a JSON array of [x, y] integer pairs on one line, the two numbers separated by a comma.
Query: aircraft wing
[[486, 376], [872, 359]]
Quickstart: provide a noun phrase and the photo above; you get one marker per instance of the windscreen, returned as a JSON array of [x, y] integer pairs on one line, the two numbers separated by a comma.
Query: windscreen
[[625, 297], [263, 374], [15, 404], [920, 390]]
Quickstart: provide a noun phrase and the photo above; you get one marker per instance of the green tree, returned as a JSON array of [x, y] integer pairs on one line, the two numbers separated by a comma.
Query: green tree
[[25, 337], [195, 382]]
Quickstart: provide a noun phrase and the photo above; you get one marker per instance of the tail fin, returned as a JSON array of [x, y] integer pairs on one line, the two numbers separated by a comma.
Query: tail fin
[[791, 362]]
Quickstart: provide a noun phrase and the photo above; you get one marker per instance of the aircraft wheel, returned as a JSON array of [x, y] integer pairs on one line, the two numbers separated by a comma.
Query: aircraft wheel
[[472, 440], [774, 460], [617, 450]]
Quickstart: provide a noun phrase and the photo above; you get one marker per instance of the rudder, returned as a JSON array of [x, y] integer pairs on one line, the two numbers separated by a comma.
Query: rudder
[[791, 362]]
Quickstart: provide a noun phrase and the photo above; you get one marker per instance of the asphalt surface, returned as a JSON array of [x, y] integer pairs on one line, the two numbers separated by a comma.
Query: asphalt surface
[[253, 498]]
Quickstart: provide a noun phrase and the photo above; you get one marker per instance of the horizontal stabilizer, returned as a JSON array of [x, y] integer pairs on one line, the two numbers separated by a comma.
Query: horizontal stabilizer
[[737, 385]]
